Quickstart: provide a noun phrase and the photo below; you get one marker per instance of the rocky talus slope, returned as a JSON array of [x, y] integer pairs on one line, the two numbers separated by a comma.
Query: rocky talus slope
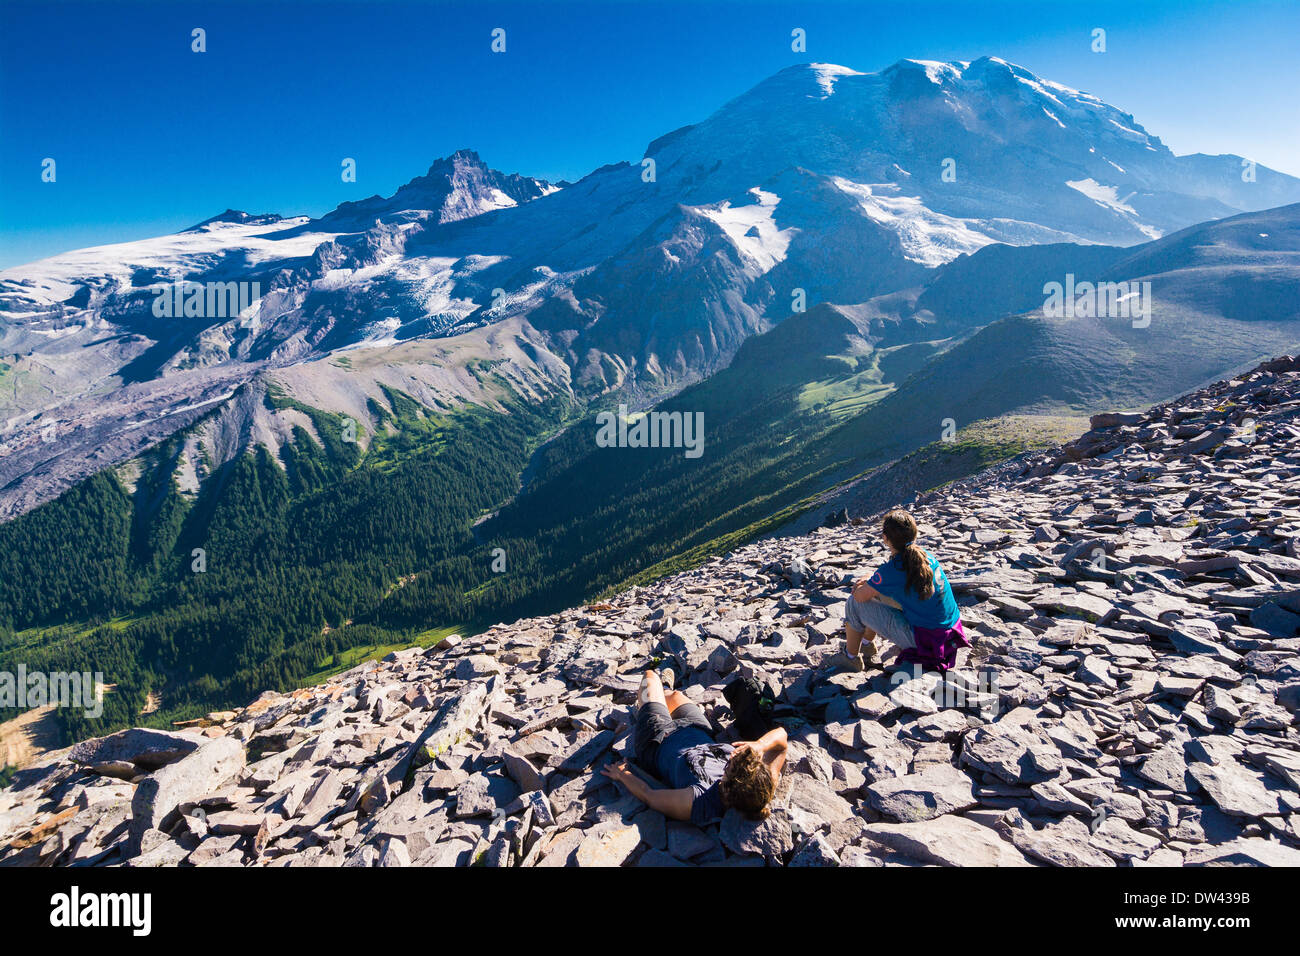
[[1130, 698]]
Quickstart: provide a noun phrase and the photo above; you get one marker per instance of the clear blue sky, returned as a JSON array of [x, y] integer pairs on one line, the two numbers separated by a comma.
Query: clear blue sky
[[150, 137]]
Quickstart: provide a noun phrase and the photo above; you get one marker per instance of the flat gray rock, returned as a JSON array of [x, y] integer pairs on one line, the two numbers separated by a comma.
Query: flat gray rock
[[483, 794], [1167, 768], [948, 841], [608, 846], [771, 838], [930, 793], [1236, 790], [1014, 754], [143, 747], [1244, 851], [815, 852], [1060, 844], [205, 770]]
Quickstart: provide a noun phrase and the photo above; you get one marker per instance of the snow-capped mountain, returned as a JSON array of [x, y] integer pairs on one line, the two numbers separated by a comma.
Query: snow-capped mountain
[[821, 184], [458, 187]]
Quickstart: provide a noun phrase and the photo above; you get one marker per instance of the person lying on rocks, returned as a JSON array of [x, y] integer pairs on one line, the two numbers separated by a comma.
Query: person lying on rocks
[[672, 739], [907, 601]]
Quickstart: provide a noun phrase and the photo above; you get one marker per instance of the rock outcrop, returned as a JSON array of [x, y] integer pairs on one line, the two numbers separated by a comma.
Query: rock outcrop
[[1130, 698]]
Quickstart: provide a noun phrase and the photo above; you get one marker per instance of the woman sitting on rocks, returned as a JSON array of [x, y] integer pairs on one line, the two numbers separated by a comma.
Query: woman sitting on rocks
[[907, 601], [672, 739]]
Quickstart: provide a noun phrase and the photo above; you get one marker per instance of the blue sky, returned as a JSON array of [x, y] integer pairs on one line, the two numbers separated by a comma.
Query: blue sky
[[150, 137]]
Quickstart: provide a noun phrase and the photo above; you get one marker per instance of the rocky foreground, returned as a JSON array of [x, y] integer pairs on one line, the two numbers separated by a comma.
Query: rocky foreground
[[1130, 698]]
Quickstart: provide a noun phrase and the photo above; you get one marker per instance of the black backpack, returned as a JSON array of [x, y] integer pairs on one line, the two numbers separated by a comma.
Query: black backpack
[[751, 706]]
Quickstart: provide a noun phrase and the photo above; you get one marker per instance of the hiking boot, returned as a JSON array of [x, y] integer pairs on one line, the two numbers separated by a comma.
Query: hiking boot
[[668, 677], [843, 662]]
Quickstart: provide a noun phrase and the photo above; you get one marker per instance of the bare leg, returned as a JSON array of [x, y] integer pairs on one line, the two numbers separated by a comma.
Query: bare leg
[[853, 640], [651, 690], [674, 700]]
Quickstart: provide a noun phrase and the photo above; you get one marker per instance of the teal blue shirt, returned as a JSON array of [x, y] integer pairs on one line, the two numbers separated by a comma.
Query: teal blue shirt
[[940, 611]]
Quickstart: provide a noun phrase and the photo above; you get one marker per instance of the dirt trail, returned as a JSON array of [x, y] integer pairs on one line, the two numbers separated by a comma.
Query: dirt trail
[[28, 737]]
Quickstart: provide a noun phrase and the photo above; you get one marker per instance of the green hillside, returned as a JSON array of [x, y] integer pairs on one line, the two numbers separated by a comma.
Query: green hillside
[[284, 568]]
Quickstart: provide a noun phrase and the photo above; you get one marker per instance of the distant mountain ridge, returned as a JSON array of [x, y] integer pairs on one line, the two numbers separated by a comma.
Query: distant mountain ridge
[[411, 394], [458, 187], [239, 217], [821, 184]]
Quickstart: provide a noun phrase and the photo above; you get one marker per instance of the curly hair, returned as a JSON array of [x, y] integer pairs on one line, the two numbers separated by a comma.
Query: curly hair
[[747, 784]]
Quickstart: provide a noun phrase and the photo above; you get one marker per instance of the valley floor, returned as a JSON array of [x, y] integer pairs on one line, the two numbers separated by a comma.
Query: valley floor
[[1130, 698]]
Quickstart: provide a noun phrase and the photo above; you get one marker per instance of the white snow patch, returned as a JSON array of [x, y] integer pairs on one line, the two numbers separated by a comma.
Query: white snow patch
[[927, 237], [936, 71], [752, 229], [434, 282], [1041, 90], [58, 277], [61, 333], [828, 74], [176, 411], [1108, 196], [499, 200]]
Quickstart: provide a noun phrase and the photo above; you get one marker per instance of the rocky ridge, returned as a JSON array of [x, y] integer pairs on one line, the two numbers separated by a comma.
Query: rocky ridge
[[1130, 698]]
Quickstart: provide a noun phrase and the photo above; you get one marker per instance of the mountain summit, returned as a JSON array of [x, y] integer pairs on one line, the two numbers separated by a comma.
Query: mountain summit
[[986, 141], [822, 184], [457, 187]]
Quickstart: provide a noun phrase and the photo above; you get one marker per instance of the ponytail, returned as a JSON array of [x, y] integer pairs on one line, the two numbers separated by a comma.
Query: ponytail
[[920, 577], [900, 531]]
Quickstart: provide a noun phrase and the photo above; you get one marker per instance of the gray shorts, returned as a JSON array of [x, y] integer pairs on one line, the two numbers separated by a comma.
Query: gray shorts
[[886, 621], [653, 725]]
